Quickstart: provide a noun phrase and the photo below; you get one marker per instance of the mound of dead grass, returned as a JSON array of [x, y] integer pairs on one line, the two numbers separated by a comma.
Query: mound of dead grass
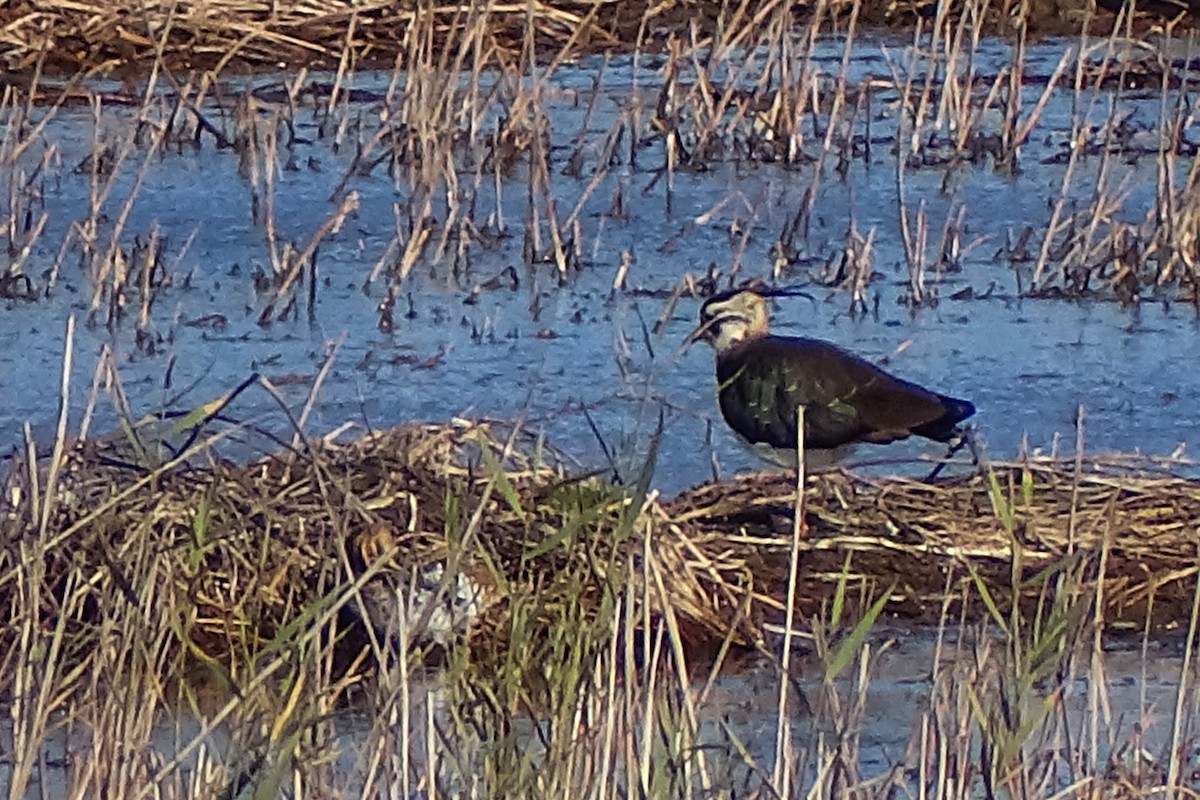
[[265, 33], [1129, 526], [235, 554]]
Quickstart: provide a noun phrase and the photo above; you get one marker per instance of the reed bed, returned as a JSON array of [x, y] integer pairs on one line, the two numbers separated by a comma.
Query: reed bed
[[264, 33], [244, 551], [467, 132], [134, 585], [933, 544]]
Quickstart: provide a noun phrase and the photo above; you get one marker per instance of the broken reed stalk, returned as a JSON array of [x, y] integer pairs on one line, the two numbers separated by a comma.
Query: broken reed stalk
[[781, 777], [916, 116], [1096, 683], [1022, 130], [1179, 719], [956, 106], [60, 439], [18, 136], [834, 125], [1016, 72], [1078, 148], [795, 100], [35, 675], [1106, 201], [25, 191], [296, 261], [1170, 131], [112, 272], [1176, 230], [791, 100]]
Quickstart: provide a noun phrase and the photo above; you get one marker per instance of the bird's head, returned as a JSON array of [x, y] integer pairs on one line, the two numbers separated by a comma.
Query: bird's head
[[731, 317]]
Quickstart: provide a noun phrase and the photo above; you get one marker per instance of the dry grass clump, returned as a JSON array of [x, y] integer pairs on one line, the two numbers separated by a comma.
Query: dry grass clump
[[265, 33], [1128, 525], [260, 33]]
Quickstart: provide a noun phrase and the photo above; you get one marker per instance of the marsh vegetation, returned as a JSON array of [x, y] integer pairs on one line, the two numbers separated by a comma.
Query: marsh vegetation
[[227, 288]]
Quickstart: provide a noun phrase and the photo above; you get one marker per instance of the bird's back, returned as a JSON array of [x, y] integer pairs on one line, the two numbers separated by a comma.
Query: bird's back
[[846, 398]]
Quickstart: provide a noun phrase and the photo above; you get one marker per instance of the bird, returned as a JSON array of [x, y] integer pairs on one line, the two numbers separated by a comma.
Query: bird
[[762, 378], [407, 589]]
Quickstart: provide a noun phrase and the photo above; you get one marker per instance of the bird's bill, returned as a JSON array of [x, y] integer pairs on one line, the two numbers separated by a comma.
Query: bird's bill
[[703, 333]]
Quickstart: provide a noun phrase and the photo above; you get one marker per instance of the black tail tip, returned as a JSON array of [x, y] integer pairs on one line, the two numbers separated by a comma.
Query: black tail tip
[[945, 427], [959, 409]]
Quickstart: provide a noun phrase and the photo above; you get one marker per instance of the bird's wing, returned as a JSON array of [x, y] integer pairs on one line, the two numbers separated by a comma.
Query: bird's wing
[[846, 398]]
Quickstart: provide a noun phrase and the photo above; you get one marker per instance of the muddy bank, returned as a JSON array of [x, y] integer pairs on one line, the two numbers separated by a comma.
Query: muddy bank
[[127, 36]]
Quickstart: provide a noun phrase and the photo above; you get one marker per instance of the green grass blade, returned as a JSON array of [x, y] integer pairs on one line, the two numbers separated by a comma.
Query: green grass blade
[[1000, 505], [839, 595], [642, 486], [986, 595], [849, 648], [199, 534], [503, 484]]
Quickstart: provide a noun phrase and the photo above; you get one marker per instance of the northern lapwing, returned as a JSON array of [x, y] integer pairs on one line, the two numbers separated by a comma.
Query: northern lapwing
[[762, 378]]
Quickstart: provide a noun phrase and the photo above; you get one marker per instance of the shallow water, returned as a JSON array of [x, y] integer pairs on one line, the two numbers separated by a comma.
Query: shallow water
[[883, 723], [545, 351]]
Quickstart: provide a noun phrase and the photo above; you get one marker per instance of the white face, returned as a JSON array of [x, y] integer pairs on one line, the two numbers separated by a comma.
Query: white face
[[725, 322], [728, 331]]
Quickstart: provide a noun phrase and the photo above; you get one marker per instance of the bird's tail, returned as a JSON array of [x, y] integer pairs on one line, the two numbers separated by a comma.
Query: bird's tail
[[945, 427]]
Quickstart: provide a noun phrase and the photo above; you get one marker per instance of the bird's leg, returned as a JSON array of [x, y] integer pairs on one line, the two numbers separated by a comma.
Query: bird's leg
[[965, 439], [973, 446], [941, 465]]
